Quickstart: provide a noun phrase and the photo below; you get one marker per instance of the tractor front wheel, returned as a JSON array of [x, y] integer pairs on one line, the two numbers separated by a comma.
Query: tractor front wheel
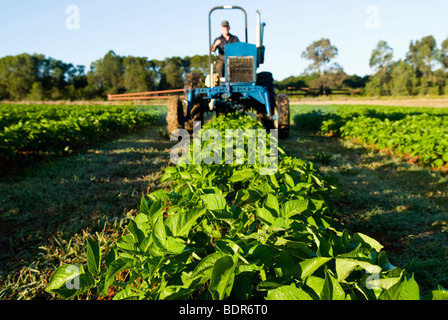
[[281, 110], [193, 81], [175, 114]]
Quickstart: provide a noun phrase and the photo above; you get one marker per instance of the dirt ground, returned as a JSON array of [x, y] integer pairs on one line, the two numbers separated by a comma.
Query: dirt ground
[[438, 102]]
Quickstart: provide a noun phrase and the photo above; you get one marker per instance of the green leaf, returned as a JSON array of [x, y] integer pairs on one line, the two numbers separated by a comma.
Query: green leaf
[[360, 237], [286, 267], [93, 257], [262, 254], [170, 170], [316, 284], [174, 246], [128, 294], [344, 266], [403, 290], [69, 281], [161, 195], [262, 189], [288, 293], [440, 294], [324, 249], [332, 290], [239, 176], [159, 233], [273, 180], [145, 205], [289, 181], [309, 266], [271, 203], [180, 223], [384, 262], [439, 163], [136, 232], [111, 257], [223, 275], [113, 270], [62, 275], [214, 201], [205, 266], [150, 208], [265, 216], [293, 207], [445, 156]]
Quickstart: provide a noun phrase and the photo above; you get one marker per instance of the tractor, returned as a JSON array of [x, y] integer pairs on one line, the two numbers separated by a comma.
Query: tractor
[[241, 89]]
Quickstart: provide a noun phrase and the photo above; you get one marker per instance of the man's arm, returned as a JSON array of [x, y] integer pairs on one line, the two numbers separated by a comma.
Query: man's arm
[[216, 44]]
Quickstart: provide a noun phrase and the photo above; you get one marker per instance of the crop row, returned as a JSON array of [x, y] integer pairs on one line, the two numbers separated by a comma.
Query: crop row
[[226, 231], [419, 134], [49, 128]]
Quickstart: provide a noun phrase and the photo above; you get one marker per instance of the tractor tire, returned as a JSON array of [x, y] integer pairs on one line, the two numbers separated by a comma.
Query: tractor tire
[[193, 81], [196, 114], [281, 110], [174, 114], [266, 80], [263, 119]]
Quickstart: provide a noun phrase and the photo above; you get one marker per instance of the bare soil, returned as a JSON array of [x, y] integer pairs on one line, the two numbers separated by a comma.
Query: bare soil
[[438, 102]]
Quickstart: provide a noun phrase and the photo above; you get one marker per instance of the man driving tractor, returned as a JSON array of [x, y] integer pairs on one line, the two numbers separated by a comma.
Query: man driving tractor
[[220, 43]]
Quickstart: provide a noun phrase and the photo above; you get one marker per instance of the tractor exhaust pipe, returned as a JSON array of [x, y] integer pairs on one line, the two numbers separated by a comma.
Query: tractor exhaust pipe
[[258, 30], [259, 39]]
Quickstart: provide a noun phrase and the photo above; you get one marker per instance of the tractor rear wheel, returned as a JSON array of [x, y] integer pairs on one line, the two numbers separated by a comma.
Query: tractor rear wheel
[[175, 114], [193, 81], [281, 110]]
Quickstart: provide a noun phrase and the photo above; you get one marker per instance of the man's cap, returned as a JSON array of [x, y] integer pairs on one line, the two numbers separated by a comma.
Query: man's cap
[[225, 23]]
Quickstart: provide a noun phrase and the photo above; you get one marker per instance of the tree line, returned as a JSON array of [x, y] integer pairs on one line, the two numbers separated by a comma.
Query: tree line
[[423, 71], [36, 77]]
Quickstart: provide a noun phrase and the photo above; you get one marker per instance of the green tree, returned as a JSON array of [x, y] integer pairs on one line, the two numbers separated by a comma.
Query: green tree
[[381, 57], [423, 54], [444, 54], [333, 77], [403, 79], [320, 52], [138, 74], [37, 92], [381, 62], [171, 73], [107, 74], [17, 75]]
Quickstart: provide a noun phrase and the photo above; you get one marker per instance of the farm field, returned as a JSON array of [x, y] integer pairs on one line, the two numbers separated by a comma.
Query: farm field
[[401, 204], [56, 129]]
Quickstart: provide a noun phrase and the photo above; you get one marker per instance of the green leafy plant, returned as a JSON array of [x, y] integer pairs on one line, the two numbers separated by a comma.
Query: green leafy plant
[[57, 129], [412, 132], [225, 231]]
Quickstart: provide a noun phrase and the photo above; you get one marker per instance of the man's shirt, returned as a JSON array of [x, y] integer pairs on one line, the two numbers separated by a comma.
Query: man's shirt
[[224, 41]]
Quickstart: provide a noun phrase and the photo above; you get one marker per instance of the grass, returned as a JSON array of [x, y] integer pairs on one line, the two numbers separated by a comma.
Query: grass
[[47, 209], [402, 205]]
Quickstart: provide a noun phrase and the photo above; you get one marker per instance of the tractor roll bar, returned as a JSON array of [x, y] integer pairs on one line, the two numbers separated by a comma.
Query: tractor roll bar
[[210, 33]]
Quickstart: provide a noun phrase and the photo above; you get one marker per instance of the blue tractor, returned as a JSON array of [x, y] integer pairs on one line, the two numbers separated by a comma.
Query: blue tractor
[[241, 89]]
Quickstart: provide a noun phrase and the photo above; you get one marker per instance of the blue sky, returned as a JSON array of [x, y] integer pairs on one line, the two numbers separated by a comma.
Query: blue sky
[[160, 29]]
